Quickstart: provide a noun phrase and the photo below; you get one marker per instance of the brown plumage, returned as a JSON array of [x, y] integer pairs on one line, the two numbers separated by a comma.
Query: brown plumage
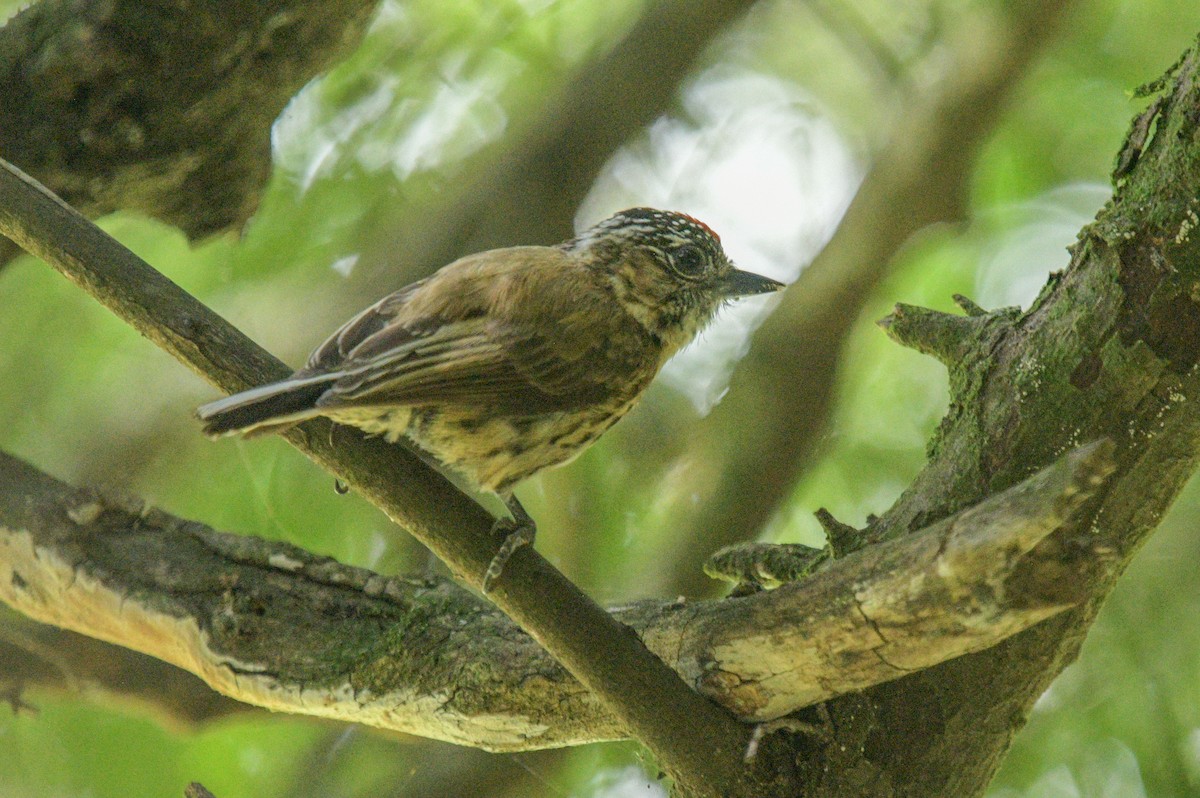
[[512, 360]]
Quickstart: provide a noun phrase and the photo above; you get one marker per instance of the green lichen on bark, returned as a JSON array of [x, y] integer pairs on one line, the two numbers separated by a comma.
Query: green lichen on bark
[[1109, 349]]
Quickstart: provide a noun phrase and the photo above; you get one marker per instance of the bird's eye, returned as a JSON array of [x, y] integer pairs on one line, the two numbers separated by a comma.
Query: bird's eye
[[688, 260]]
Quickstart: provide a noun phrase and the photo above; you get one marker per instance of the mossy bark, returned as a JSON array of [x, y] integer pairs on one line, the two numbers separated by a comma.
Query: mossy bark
[[1109, 349], [161, 107]]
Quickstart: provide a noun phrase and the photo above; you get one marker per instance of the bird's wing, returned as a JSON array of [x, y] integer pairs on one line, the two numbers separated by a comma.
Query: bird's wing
[[476, 335], [335, 350]]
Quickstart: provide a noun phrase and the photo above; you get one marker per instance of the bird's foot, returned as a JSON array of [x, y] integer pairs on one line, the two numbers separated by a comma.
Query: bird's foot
[[517, 531]]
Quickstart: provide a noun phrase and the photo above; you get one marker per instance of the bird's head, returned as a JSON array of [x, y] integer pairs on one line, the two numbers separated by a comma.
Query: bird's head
[[667, 269]]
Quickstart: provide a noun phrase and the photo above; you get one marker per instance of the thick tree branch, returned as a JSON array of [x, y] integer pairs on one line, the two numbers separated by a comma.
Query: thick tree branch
[[920, 178], [161, 107], [696, 741], [1110, 349], [40, 657], [272, 625]]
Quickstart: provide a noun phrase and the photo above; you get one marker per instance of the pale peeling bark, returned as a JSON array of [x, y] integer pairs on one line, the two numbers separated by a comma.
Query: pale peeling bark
[[274, 626]]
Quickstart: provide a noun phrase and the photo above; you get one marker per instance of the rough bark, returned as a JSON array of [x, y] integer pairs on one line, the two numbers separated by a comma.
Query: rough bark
[[695, 740], [1110, 348], [161, 107], [274, 626], [920, 178]]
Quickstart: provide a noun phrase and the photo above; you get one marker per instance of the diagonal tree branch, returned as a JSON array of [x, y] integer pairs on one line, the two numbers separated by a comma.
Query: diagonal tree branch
[[920, 178], [695, 740], [272, 625], [36, 656], [1110, 348]]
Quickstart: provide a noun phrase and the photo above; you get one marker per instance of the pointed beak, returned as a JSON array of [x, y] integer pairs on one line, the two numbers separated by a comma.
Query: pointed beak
[[739, 283]]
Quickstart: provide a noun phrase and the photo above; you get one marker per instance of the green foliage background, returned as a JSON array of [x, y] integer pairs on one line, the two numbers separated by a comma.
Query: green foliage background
[[86, 399]]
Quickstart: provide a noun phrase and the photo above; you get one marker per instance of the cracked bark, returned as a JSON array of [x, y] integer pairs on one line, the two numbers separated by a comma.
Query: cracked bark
[[275, 626], [917, 180]]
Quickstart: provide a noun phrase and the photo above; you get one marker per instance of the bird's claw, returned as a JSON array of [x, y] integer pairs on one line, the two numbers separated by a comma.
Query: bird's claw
[[517, 533]]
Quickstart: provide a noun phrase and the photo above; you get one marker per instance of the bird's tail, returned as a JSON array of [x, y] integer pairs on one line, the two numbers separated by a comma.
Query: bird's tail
[[268, 408]]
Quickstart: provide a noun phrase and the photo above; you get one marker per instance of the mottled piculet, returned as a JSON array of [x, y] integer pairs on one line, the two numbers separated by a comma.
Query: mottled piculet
[[509, 361]]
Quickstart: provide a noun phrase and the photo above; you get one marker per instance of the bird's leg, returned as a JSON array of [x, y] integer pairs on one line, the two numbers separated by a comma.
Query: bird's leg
[[518, 531]]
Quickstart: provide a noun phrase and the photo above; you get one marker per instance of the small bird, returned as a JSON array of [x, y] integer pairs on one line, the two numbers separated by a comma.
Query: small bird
[[512, 360]]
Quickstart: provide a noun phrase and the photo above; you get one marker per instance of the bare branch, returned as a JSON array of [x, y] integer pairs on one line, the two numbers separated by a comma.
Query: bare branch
[[42, 657], [1109, 350], [948, 337], [919, 179], [694, 739], [272, 625]]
